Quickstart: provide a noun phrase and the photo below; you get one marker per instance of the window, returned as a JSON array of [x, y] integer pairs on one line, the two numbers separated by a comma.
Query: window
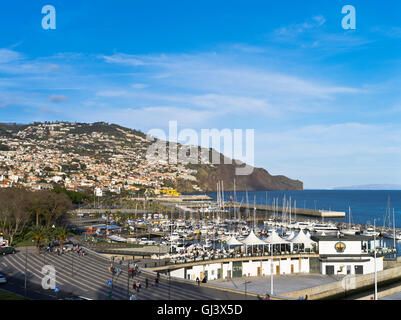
[[358, 269], [329, 269]]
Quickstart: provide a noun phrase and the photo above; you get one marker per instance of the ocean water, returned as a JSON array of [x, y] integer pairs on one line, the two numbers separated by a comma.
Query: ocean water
[[365, 205]]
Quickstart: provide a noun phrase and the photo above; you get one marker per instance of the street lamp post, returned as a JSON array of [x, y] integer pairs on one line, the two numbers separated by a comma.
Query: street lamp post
[[374, 221], [271, 269], [128, 279], [169, 285], [26, 263], [246, 282]]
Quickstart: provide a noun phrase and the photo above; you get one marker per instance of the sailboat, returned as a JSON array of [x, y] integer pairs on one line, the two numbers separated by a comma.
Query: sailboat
[[393, 235], [351, 231]]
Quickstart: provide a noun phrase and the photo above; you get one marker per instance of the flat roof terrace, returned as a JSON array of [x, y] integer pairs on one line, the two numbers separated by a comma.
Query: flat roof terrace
[[281, 283]]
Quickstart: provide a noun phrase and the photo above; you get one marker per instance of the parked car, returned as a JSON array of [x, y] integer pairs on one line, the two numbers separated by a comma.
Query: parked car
[[7, 250], [3, 278]]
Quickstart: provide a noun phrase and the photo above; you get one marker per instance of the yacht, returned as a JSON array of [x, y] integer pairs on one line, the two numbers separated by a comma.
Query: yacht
[[370, 232], [174, 236], [390, 235], [208, 245], [351, 231], [320, 228], [304, 225]]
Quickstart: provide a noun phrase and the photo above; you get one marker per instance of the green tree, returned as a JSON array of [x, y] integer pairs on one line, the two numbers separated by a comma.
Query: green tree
[[39, 234], [61, 235]]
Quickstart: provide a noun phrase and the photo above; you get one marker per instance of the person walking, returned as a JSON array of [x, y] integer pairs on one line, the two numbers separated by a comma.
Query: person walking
[[146, 282], [134, 286], [267, 297], [198, 281], [306, 297]]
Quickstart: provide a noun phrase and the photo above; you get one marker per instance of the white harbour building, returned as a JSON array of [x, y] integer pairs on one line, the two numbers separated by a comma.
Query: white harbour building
[[347, 255], [331, 255]]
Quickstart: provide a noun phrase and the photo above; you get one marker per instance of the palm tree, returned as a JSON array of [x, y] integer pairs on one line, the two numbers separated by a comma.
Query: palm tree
[[61, 234], [39, 234]]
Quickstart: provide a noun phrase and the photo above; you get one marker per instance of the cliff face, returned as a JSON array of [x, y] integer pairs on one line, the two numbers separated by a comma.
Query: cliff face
[[208, 176], [260, 179]]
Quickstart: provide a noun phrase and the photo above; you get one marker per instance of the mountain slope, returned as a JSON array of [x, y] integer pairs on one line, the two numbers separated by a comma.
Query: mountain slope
[[88, 155]]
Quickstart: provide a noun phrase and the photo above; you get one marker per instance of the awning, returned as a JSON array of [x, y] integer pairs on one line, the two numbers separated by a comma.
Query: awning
[[252, 240], [274, 238], [234, 242]]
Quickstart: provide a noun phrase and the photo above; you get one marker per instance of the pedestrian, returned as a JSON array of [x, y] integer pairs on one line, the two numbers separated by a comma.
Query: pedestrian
[[121, 262], [157, 281], [158, 275], [146, 282], [138, 286], [306, 297], [134, 286], [153, 283], [133, 273], [130, 272], [198, 281], [267, 297]]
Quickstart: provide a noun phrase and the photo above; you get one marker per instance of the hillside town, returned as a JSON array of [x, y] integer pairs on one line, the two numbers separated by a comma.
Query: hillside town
[[83, 156]]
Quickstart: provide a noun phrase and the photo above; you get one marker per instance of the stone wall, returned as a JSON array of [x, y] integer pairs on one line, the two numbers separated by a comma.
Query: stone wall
[[348, 283]]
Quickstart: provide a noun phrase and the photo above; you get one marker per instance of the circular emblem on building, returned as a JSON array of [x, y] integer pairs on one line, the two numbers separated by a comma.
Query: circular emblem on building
[[340, 247]]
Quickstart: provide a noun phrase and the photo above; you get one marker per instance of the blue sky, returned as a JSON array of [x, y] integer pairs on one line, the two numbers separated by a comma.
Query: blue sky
[[325, 102]]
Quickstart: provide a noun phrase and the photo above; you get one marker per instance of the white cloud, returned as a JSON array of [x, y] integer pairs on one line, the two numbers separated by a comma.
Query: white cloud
[[139, 85], [331, 155], [58, 98]]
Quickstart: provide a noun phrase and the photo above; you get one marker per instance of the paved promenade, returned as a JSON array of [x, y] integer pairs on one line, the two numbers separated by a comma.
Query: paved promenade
[[88, 276], [281, 283]]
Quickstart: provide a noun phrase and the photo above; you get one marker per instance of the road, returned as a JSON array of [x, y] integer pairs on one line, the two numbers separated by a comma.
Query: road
[[88, 276]]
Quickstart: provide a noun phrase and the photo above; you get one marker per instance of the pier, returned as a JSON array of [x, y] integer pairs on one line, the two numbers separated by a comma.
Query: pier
[[270, 209]]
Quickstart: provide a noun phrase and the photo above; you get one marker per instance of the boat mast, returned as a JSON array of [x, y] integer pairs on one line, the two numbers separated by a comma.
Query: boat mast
[[394, 228], [295, 210], [266, 203], [222, 193], [247, 205], [349, 217], [254, 213], [235, 200]]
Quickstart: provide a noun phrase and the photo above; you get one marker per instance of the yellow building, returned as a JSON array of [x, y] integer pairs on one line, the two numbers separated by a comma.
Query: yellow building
[[170, 192]]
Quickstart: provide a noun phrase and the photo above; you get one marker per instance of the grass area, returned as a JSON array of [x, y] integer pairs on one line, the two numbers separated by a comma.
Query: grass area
[[24, 243], [5, 295]]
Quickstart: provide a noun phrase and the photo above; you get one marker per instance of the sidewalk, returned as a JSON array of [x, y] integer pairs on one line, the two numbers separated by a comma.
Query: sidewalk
[[281, 283]]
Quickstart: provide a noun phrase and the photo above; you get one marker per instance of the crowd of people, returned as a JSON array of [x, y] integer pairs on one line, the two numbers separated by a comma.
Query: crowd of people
[[132, 273], [51, 248]]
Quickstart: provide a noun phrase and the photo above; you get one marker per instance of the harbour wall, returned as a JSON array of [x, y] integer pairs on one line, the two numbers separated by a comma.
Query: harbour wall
[[349, 285]]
